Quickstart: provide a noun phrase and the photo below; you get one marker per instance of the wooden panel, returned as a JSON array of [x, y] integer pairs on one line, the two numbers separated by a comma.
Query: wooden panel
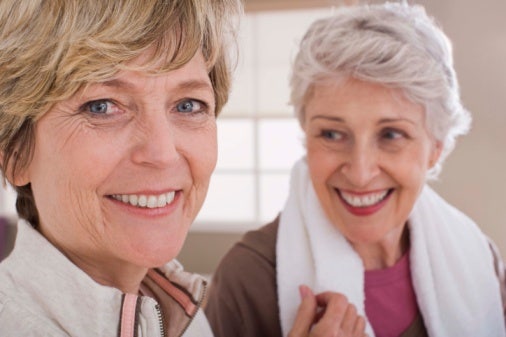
[[269, 5], [202, 251]]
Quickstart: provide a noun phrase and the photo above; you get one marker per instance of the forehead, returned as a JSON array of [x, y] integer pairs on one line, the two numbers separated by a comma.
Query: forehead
[[356, 97], [192, 76]]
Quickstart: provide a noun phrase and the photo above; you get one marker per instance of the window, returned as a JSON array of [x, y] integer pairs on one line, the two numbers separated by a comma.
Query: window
[[259, 137]]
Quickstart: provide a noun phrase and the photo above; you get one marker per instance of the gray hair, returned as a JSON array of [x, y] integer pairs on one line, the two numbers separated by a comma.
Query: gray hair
[[392, 44]]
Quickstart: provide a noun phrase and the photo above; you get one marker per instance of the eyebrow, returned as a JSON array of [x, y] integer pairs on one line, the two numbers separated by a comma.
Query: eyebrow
[[185, 85], [381, 121], [393, 120], [330, 118]]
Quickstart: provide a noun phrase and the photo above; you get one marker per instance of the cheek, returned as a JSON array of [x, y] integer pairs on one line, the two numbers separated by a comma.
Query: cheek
[[322, 163], [408, 171], [417, 163], [201, 154]]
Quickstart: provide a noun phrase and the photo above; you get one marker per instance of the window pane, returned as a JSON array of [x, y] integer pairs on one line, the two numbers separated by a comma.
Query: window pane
[[273, 194], [279, 33], [273, 90], [235, 144], [280, 143], [241, 101], [230, 198]]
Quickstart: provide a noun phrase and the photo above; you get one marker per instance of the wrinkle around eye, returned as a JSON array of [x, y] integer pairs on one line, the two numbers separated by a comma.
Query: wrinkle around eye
[[68, 124]]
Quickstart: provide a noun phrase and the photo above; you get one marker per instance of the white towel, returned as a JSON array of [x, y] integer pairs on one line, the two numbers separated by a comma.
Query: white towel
[[452, 265]]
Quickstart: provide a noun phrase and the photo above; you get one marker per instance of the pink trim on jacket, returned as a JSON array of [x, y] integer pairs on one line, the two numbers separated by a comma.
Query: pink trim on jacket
[[128, 315], [184, 301]]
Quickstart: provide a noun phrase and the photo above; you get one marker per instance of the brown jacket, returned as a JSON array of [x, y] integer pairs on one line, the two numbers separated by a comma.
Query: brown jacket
[[243, 297]]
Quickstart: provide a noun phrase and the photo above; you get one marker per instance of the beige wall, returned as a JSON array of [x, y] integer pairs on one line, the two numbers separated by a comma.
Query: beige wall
[[474, 175], [473, 178]]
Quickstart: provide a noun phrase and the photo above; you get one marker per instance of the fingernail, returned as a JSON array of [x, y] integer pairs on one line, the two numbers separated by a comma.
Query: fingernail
[[303, 290]]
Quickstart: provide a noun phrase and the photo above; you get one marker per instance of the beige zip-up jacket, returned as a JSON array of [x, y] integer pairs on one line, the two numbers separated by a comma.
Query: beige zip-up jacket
[[42, 293]]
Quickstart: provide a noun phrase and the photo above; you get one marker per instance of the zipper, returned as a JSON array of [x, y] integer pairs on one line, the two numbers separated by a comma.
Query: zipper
[[161, 319], [199, 305]]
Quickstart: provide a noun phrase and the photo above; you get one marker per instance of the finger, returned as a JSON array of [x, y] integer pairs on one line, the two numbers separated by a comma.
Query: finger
[[305, 314], [349, 320], [335, 306], [359, 329]]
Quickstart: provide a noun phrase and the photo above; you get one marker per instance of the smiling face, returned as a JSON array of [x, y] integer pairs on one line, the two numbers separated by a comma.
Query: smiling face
[[368, 153], [121, 169]]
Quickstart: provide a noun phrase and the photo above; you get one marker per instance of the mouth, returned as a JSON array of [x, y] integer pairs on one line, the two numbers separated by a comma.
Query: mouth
[[146, 200], [364, 203]]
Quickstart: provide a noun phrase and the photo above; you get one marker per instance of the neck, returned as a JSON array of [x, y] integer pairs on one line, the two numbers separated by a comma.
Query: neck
[[386, 252], [124, 277]]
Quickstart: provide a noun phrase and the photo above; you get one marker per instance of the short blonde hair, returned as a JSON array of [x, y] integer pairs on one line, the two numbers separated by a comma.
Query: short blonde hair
[[51, 49]]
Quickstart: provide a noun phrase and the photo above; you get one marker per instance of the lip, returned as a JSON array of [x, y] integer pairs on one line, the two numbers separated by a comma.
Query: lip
[[146, 211], [364, 211]]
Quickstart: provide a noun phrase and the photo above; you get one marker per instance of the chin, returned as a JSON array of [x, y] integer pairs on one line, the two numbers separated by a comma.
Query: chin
[[152, 254]]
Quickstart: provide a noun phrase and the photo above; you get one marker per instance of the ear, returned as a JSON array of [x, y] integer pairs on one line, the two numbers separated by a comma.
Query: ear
[[437, 148], [22, 176]]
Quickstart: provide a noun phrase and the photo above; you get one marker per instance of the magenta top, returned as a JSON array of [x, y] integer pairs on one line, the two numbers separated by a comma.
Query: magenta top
[[390, 300]]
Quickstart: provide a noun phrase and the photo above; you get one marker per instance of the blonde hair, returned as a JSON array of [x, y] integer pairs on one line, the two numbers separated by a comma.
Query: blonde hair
[[393, 44], [51, 49]]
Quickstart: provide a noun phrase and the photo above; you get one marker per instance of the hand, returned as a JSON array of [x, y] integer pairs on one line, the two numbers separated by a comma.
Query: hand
[[327, 314]]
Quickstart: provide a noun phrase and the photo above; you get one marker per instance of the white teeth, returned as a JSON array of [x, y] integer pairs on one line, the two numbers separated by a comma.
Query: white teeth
[[162, 200], [132, 199], [143, 201], [149, 201], [364, 200]]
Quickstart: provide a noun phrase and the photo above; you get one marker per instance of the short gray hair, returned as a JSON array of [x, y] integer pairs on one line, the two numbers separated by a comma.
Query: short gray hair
[[392, 44]]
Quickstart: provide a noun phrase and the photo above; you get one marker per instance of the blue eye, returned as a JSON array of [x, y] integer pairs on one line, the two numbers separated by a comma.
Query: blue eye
[[189, 105], [392, 134], [99, 107], [331, 135]]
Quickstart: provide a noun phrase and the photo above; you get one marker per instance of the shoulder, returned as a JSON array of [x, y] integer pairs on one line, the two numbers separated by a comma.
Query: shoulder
[[16, 319], [253, 255], [243, 295], [262, 241], [17, 314]]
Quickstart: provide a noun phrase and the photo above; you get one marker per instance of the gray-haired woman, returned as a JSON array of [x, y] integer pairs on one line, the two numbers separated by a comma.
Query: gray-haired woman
[[377, 97]]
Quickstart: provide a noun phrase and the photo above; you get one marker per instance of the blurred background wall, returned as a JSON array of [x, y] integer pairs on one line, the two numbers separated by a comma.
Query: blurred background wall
[[473, 177], [259, 137]]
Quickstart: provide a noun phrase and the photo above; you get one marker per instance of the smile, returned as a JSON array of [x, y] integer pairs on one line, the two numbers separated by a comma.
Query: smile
[[365, 200], [146, 201], [364, 204]]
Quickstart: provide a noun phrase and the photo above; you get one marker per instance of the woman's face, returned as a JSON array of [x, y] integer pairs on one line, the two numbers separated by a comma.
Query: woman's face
[[121, 169], [368, 153]]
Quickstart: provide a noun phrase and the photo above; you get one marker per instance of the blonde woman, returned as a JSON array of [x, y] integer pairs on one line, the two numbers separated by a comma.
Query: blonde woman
[[108, 135]]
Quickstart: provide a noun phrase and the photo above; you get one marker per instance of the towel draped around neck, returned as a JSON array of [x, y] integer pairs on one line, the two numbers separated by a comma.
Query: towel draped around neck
[[452, 267]]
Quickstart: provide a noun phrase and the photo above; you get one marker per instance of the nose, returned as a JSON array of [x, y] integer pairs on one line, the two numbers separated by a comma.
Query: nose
[[154, 141], [362, 165]]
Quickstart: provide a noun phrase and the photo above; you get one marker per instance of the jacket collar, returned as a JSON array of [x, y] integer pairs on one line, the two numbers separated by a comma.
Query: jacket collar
[[53, 287]]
